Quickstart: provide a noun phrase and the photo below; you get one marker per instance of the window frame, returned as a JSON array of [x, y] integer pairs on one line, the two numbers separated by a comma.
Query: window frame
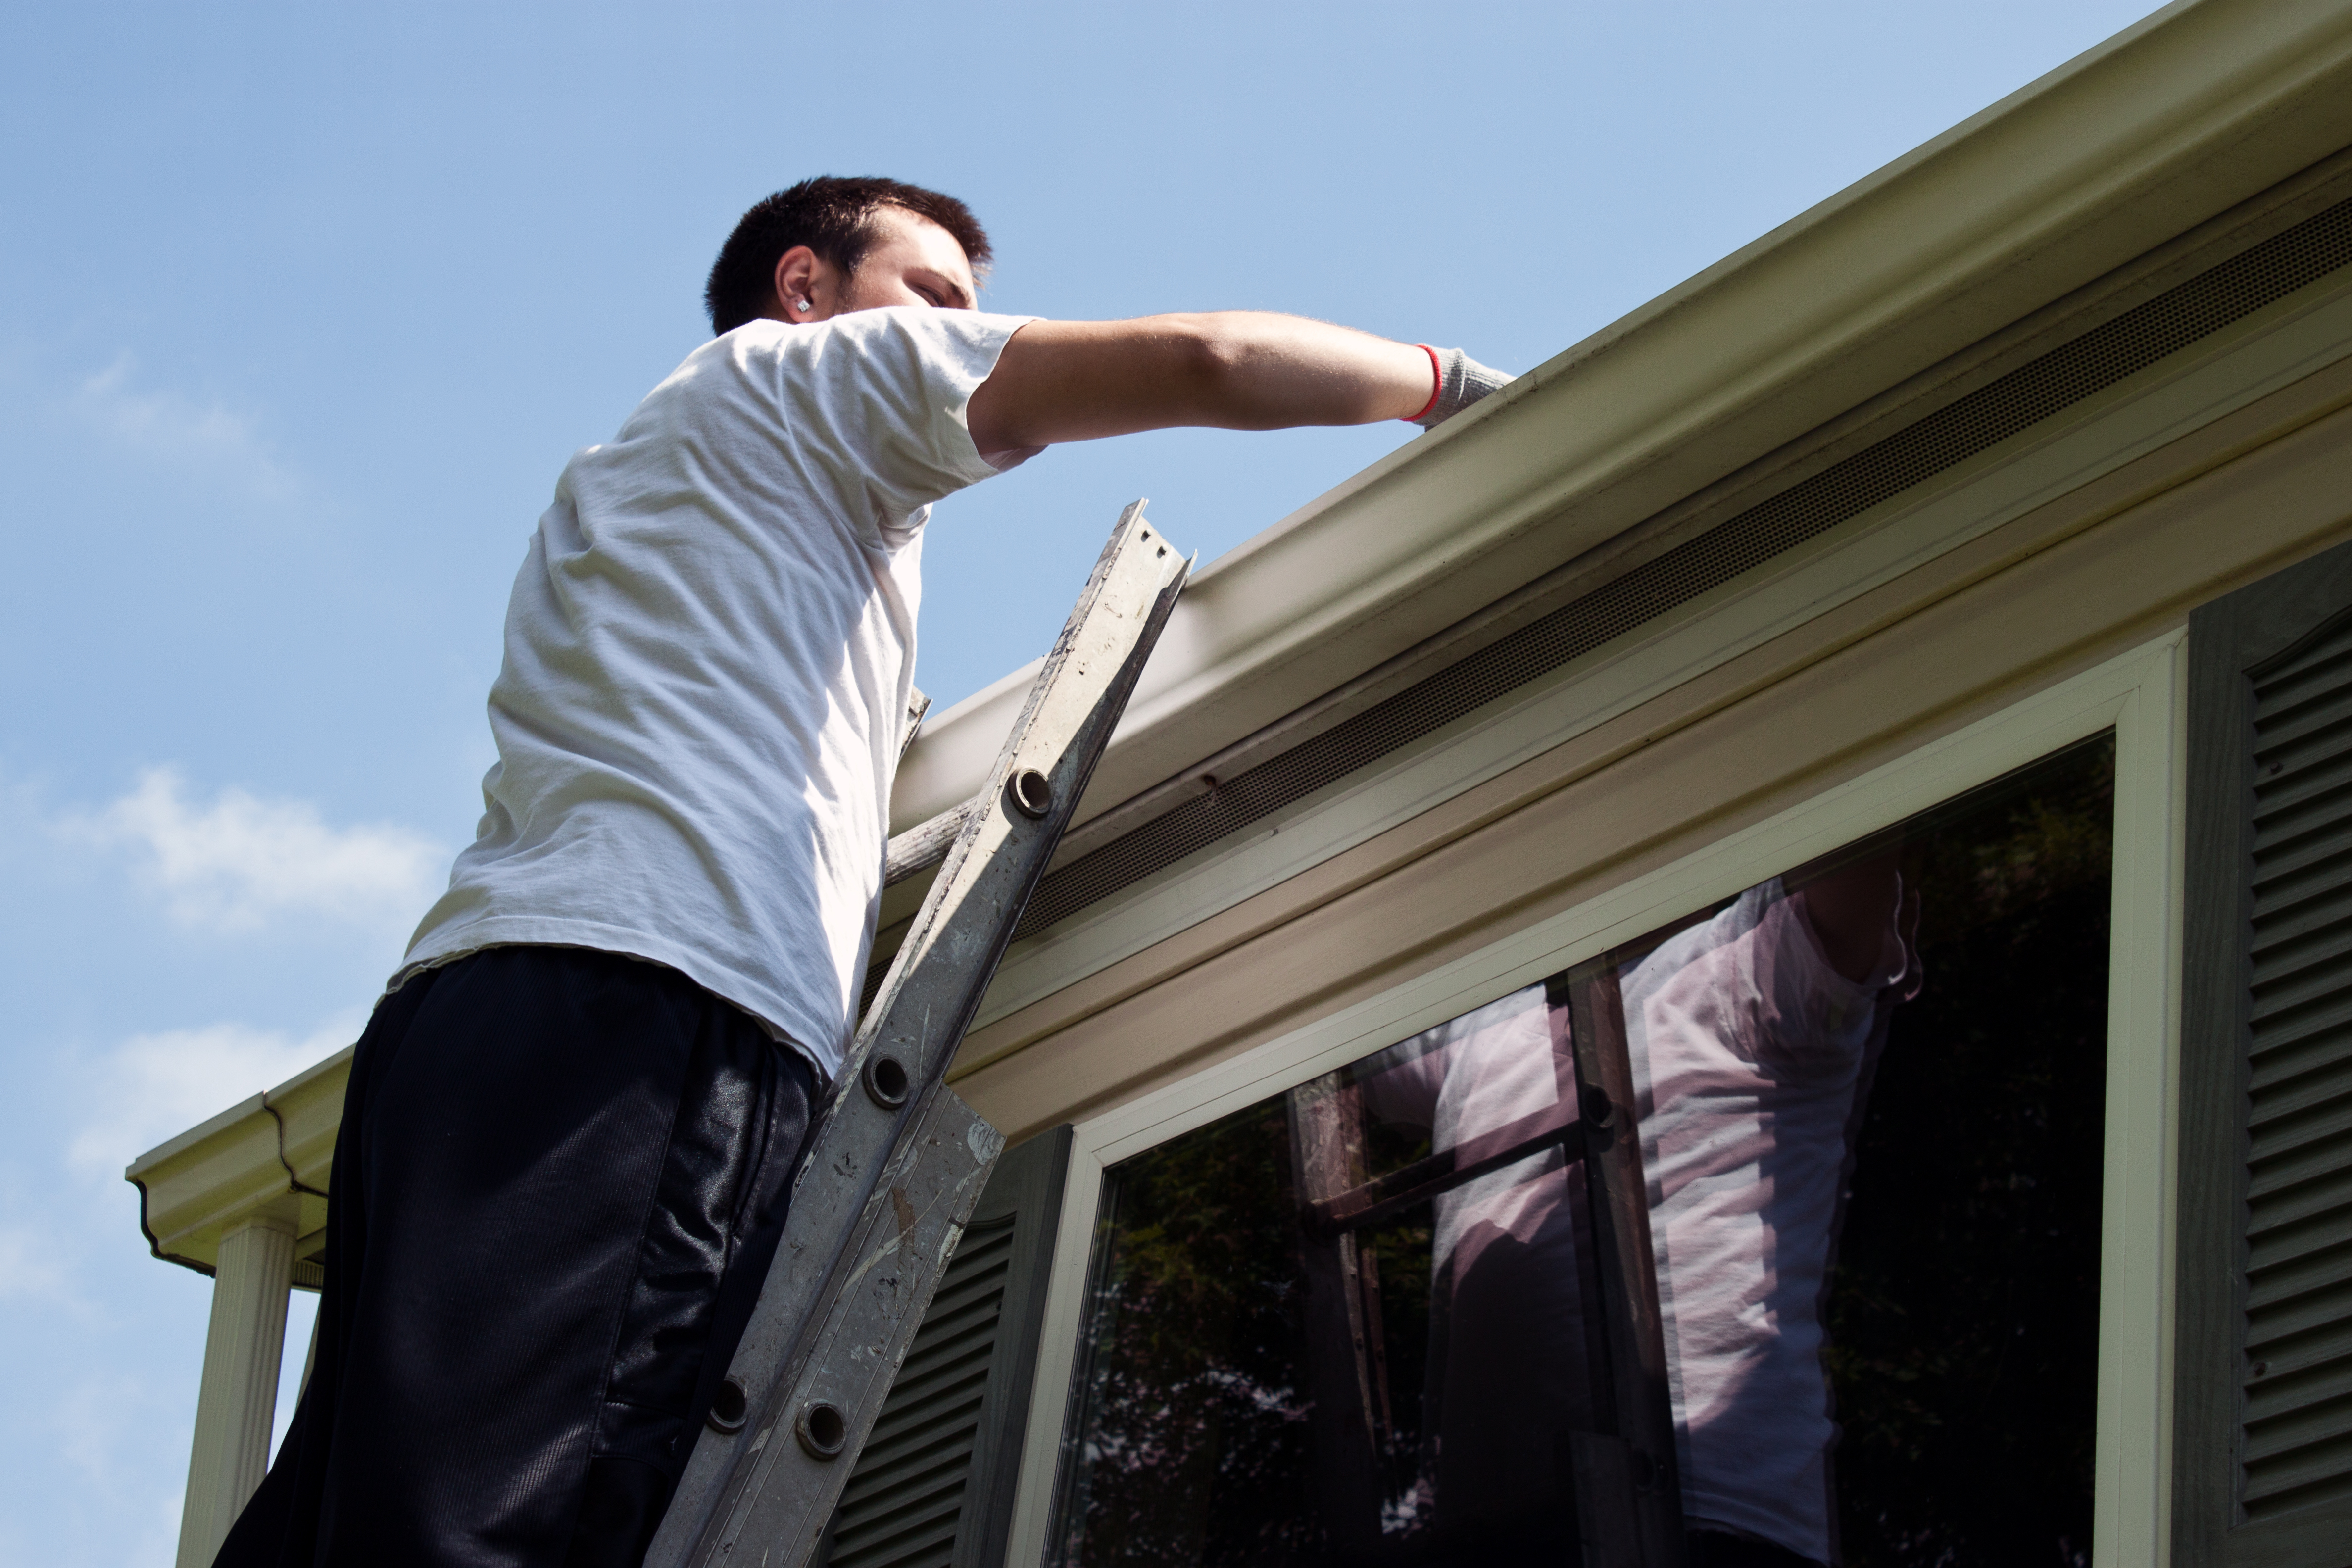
[[2141, 696]]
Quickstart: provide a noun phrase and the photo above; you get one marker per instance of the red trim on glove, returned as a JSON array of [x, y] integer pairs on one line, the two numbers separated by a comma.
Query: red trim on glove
[[1436, 390]]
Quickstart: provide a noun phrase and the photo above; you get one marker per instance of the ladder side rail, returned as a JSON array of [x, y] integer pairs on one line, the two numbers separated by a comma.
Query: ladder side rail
[[896, 1063]]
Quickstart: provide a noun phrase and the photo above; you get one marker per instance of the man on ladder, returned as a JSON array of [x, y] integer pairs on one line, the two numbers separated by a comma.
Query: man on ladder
[[573, 1119]]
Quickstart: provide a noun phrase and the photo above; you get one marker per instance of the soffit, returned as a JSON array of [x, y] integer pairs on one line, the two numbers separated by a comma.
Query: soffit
[[2170, 123]]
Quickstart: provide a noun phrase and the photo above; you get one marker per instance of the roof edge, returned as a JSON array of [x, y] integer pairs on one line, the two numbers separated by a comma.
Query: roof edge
[[2168, 124]]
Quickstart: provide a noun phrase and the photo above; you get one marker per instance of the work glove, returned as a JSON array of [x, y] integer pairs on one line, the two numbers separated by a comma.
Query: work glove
[[1461, 381]]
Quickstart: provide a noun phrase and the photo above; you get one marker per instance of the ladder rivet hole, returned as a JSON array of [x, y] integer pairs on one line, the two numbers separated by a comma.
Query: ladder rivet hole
[[885, 1081], [823, 1429], [1031, 792], [728, 1407]]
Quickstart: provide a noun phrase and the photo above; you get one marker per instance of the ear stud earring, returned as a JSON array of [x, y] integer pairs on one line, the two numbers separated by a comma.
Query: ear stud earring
[[805, 305]]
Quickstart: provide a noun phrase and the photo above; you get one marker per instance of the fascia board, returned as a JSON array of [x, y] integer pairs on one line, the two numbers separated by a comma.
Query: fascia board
[[2172, 122]]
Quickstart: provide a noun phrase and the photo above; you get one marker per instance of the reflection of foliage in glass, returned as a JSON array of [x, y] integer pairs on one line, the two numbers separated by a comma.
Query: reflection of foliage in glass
[[1194, 1445], [1400, 1250], [1963, 1316]]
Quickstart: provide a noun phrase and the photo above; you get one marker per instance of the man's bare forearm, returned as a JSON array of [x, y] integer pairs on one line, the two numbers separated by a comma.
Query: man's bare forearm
[[1234, 370]]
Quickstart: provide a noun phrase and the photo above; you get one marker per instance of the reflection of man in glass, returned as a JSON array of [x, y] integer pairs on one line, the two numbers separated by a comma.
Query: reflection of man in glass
[[1752, 1036], [1506, 1357]]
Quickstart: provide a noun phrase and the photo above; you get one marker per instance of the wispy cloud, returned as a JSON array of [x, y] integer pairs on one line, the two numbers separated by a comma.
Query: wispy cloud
[[202, 436], [154, 1086], [237, 862]]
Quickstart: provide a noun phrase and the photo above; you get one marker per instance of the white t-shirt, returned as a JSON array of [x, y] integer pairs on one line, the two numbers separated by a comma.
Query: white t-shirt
[[708, 655], [1748, 1054]]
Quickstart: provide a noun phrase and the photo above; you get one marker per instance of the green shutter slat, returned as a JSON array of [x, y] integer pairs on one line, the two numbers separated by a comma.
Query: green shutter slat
[[2288, 908], [2303, 1356], [2327, 654], [2322, 1201], [934, 1549], [2312, 1464], [918, 1487], [2286, 1062], [2298, 1136], [2299, 734], [2295, 1240], [2300, 1046], [2314, 1076], [918, 1427], [903, 1501], [914, 1525], [2309, 788], [2310, 683], [2304, 900], [2313, 866], [927, 1490], [924, 1427], [947, 1356], [2291, 900], [2292, 1292], [2285, 1284], [911, 1496], [2302, 990]]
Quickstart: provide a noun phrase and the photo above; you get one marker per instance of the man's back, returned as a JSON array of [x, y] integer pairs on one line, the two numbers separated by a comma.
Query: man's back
[[707, 653]]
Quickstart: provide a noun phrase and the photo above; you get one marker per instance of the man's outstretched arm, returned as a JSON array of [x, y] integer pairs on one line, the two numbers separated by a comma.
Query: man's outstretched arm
[[1233, 370]]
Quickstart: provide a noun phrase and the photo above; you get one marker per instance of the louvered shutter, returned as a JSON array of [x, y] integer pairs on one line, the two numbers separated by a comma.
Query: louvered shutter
[[2262, 1441], [933, 1488]]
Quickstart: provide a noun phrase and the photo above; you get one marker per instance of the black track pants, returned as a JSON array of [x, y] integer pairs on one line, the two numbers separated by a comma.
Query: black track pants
[[560, 1177]]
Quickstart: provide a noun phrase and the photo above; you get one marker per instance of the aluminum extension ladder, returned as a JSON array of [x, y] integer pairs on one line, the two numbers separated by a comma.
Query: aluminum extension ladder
[[897, 1160]]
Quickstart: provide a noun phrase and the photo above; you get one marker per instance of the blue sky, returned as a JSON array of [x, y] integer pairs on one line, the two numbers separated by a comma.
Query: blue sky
[[301, 311]]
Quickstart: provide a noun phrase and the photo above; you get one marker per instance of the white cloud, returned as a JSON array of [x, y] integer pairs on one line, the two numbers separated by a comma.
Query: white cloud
[[152, 1087], [236, 863], [203, 436]]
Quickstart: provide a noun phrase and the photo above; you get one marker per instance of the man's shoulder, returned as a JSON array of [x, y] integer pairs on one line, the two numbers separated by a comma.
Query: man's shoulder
[[888, 335]]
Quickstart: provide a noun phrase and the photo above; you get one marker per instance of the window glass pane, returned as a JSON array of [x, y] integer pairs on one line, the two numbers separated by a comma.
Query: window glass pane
[[1289, 1269], [1963, 1312], [1363, 1321]]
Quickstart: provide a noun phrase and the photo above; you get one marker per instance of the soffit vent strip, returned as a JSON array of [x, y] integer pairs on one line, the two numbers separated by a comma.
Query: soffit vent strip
[[2101, 357]]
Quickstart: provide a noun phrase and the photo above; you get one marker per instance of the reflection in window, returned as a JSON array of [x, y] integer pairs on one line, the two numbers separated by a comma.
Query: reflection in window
[[1833, 1300]]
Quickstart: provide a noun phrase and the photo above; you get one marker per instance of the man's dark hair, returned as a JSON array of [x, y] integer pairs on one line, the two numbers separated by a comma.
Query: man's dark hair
[[833, 216]]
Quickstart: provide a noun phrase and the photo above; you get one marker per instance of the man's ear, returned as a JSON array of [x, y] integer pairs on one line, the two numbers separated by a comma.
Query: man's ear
[[795, 280]]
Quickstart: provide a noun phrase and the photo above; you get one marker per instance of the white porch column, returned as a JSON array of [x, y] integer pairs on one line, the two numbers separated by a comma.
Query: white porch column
[[238, 1396]]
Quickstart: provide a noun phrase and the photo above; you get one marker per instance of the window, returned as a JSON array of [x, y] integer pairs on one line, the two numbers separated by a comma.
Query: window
[[1784, 1219]]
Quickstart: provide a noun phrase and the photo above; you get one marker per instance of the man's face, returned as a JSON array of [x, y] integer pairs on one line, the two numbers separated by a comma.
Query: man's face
[[912, 262]]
